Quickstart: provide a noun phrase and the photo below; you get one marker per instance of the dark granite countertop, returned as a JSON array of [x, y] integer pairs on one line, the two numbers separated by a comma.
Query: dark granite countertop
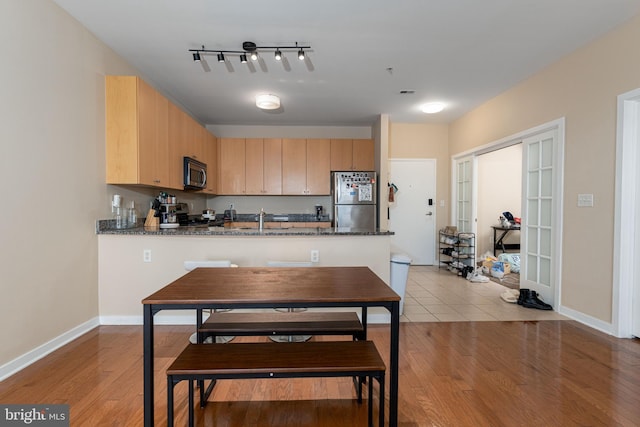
[[108, 227]]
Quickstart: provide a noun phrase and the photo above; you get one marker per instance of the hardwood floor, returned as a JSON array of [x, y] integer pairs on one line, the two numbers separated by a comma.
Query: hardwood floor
[[531, 373]]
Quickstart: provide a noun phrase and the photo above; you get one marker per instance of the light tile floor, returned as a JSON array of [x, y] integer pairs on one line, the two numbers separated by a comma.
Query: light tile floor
[[436, 295]]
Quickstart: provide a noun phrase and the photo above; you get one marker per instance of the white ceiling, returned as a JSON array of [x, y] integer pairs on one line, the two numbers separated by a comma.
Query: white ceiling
[[460, 52]]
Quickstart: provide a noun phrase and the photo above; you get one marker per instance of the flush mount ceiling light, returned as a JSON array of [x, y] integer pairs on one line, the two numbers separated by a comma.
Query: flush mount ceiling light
[[252, 50], [432, 107], [267, 102]]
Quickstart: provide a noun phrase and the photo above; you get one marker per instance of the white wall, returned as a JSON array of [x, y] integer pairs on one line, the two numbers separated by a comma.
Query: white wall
[[582, 88], [52, 166]]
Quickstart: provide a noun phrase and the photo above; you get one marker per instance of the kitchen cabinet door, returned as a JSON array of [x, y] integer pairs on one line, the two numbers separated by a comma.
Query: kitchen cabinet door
[[136, 133], [318, 166], [231, 164], [254, 164], [177, 147], [363, 155], [294, 166], [211, 159], [194, 139], [272, 173], [341, 155]]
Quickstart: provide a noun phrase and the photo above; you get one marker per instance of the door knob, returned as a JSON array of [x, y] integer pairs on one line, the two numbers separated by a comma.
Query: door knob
[[429, 213]]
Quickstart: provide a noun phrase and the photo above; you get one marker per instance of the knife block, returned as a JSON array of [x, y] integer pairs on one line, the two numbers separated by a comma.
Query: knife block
[[152, 220]]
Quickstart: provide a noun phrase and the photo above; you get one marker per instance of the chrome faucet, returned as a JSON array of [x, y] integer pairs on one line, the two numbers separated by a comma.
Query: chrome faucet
[[261, 219]]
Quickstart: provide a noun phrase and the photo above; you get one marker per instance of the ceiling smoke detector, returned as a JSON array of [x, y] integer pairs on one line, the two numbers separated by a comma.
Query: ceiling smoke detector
[[267, 102]]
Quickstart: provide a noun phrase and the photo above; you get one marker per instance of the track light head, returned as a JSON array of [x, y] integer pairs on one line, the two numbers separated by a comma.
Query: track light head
[[221, 57], [243, 59], [254, 55], [301, 55], [278, 55], [196, 56]]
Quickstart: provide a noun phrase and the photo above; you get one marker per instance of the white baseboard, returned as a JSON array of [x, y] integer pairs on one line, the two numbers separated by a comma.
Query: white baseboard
[[39, 352], [158, 319], [585, 319]]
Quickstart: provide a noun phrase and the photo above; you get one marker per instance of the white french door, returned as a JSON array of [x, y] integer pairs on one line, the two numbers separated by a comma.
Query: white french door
[[464, 211], [539, 227]]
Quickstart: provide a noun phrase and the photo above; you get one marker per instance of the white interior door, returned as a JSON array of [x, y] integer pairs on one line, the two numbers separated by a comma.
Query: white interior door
[[538, 260], [464, 212], [412, 215]]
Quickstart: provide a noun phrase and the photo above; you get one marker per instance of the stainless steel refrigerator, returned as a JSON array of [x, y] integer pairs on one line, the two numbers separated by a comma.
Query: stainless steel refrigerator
[[353, 195]]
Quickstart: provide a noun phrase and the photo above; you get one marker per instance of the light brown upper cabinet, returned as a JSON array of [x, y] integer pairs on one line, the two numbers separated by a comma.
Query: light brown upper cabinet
[[263, 164], [352, 154], [136, 133], [194, 139], [231, 166], [177, 150], [211, 159], [363, 155], [306, 165]]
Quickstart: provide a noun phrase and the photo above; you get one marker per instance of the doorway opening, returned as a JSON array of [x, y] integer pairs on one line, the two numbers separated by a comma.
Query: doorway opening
[[542, 194]]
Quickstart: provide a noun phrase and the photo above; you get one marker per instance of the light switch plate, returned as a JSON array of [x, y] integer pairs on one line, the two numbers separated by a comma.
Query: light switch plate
[[585, 200]]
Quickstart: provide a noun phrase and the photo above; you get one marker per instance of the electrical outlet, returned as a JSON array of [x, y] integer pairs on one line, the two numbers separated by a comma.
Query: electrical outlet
[[315, 255], [146, 255]]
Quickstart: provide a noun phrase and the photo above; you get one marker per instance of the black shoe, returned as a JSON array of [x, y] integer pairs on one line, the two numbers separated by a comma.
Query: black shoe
[[523, 295], [532, 301]]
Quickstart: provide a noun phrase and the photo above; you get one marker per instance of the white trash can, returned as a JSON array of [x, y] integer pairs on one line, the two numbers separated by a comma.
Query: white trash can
[[399, 273]]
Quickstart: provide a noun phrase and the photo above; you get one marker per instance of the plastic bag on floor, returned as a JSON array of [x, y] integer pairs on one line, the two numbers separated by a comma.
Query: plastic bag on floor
[[512, 259], [497, 270]]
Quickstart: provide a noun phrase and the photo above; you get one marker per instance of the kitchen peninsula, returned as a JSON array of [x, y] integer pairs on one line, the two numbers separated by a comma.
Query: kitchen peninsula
[[136, 262]]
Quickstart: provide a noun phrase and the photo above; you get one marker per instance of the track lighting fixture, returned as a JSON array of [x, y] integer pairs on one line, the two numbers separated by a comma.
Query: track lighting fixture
[[251, 49]]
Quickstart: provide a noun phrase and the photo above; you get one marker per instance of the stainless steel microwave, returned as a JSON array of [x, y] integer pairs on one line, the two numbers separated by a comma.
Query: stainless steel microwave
[[195, 174]]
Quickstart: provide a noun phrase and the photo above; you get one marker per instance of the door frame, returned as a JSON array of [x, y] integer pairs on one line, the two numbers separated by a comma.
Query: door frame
[[626, 213], [558, 126]]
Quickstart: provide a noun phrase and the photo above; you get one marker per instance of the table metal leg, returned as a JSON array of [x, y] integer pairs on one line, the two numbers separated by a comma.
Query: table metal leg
[[364, 323], [147, 349]]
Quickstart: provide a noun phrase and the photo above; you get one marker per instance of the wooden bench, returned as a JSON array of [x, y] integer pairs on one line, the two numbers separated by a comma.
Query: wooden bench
[[278, 323], [277, 360]]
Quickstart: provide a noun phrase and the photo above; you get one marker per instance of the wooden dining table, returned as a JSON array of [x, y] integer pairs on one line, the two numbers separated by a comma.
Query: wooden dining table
[[273, 287]]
